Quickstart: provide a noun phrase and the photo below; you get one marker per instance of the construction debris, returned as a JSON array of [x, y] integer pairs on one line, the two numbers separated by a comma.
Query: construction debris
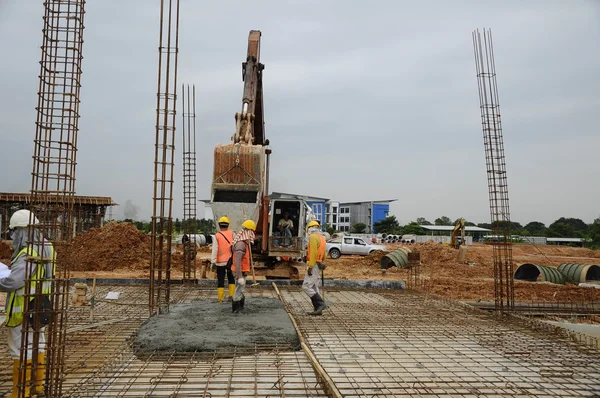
[[80, 295]]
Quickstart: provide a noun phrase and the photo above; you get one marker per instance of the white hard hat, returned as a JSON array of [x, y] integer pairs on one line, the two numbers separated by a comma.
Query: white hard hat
[[20, 218]]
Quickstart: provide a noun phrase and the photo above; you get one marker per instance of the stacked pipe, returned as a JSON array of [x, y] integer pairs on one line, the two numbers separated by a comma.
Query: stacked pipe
[[571, 273]]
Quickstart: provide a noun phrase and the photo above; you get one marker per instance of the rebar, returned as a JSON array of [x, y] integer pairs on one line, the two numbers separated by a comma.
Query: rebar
[[382, 343], [496, 171], [166, 110], [52, 200], [190, 223]]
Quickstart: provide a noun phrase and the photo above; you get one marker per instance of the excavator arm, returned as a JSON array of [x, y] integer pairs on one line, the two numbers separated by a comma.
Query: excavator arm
[[459, 227], [240, 177], [250, 121]]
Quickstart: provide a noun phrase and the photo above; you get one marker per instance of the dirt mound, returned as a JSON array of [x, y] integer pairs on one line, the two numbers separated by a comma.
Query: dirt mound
[[371, 260], [6, 251], [435, 253], [114, 246]]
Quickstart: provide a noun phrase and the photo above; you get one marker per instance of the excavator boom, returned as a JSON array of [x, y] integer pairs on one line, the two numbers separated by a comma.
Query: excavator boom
[[240, 168]]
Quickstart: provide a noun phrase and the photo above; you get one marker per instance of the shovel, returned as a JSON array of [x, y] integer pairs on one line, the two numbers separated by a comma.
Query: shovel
[[252, 266], [327, 303]]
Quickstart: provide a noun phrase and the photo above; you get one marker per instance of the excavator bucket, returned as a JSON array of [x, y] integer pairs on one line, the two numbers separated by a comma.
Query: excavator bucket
[[238, 182]]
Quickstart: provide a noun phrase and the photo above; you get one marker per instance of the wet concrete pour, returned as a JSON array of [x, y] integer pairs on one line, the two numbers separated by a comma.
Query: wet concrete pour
[[206, 325]]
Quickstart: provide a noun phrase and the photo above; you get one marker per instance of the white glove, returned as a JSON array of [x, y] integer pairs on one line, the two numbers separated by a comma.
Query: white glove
[[242, 282]]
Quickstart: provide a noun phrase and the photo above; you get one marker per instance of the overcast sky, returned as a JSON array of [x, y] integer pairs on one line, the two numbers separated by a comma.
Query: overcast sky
[[363, 100]]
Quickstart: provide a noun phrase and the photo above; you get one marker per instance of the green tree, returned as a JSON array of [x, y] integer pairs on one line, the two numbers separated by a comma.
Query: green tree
[[388, 225], [329, 229], [443, 221], [568, 228], [359, 227], [206, 226], [413, 228], [423, 221], [535, 228], [594, 233], [177, 226]]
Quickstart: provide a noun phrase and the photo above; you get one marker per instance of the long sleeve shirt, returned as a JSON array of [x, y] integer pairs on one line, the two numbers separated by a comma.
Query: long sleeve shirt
[[313, 244], [215, 249], [239, 250]]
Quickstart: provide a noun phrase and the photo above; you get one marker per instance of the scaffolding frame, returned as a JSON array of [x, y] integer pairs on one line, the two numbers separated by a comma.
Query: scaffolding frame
[[496, 171], [166, 111], [190, 223]]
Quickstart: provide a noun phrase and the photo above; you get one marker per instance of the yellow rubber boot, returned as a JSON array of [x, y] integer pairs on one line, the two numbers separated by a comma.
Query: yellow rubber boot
[[220, 294], [40, 374], [15, 391], [231, 291]]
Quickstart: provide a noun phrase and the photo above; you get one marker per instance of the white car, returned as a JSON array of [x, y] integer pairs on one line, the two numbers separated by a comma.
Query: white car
[[351, 245]]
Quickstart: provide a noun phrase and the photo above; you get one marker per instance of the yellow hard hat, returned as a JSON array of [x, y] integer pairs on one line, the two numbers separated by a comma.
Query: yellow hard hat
[[223, 220], [249, 224], [313, 223]]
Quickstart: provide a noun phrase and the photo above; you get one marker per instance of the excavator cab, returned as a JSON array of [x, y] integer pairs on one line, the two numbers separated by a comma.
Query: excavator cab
[[287, 228]]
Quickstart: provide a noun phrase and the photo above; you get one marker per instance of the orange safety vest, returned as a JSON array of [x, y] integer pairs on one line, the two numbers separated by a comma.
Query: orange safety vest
[[245, 261], [320, 249], [224, 239]]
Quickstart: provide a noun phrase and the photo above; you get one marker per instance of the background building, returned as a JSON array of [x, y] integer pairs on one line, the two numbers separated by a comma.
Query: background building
[[367, 213], [339, 215]]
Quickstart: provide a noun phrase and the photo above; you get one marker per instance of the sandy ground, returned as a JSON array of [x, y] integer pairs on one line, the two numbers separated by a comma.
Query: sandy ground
[[440, 271]]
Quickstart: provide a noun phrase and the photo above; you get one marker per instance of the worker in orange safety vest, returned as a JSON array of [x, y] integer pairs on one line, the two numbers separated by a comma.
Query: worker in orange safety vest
[[221, 258]]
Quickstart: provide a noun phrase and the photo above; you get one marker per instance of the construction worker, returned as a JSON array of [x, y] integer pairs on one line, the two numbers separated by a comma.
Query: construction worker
[[221, 254], [241, 263], [315, 258], [14, 285]]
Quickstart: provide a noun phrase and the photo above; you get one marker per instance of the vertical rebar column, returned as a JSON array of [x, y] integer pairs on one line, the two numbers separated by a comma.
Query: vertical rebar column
[[166, 101], [496, 170], [190, 225], [46, 286]]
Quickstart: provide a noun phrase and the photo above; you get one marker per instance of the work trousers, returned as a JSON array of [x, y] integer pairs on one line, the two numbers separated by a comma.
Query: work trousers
[[14, 342], [240, 291], [221, 271], [312, 282]]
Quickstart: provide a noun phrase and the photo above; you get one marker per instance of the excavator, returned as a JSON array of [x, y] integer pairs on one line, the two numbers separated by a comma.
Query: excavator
[[240, 185], [459, 227]]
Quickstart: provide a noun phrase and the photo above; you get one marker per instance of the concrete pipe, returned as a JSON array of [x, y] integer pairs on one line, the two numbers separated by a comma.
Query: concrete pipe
[[397, 258], [383, 236], [327, 235], [531, 273], [577, 273]]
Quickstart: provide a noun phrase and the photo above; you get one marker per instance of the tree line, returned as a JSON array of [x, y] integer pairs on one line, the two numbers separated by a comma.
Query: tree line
[[562, 228]]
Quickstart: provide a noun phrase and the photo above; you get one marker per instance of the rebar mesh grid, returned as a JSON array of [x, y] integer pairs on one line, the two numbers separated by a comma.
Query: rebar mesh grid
[[164, 150], [190, 222], [496, 170], [52, 200], [100, 361], [405, 344]]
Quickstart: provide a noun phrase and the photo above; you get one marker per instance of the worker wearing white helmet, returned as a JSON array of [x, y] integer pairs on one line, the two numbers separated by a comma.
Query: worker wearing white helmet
[[14, 285], [222, 256], [241, 263], [315, 258]]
